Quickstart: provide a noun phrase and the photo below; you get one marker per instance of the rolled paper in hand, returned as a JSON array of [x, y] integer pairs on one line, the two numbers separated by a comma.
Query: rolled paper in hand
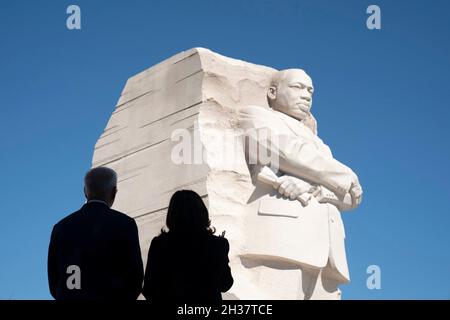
[[267, 176]]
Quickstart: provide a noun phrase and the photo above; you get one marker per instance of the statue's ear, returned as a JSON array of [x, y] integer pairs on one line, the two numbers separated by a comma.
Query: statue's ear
[[272, 93]]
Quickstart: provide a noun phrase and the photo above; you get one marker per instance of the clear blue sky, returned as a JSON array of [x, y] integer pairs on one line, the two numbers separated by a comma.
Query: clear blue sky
[[382, 103]]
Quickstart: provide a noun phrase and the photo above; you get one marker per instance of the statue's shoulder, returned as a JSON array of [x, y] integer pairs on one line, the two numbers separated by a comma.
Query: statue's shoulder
[[255, 117], [253, 110]]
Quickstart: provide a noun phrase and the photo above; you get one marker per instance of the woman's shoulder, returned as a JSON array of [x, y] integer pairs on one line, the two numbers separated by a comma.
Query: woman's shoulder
[[220, 241], [163, 237], [177, 237]]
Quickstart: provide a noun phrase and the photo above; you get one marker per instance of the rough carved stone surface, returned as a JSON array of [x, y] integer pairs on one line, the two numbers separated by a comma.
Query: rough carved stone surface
[[200, 91]]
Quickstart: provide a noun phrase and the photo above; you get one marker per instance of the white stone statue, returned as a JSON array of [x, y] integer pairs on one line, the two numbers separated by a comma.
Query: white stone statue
[[296, 249], [205, 96]]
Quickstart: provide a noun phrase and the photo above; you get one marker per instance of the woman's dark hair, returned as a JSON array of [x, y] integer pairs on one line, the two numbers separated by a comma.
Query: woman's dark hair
[[187, 213]]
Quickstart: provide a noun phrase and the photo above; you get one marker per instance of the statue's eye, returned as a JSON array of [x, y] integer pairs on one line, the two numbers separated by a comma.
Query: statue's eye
[[311, 90]]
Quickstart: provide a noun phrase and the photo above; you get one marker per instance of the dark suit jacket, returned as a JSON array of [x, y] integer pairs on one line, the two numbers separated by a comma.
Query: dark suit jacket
[[104, 244], [187, 268]]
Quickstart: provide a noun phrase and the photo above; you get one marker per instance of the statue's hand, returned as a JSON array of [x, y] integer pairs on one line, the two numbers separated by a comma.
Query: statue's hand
[[356, 192], [292, 187]]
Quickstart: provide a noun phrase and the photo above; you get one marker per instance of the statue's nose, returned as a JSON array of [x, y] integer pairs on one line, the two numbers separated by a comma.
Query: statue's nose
[[306, 96]]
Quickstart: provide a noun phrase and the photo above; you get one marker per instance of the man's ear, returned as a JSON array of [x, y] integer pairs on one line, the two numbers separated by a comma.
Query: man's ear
[[272, 93], [85, 193], [112, 197], [114, 193]]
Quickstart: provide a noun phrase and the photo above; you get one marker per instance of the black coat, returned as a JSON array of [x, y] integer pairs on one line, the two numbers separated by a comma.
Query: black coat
[[187, 268], [104, 244]]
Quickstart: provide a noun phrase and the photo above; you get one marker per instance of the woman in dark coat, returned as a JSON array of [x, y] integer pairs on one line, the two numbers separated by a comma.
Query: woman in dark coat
[[187, 263]]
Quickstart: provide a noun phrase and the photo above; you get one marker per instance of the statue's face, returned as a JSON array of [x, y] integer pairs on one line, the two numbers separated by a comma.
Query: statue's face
[[293, 94]]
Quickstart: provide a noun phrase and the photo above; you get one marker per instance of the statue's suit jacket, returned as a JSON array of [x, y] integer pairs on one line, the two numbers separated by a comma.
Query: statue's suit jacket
[[282, 228]]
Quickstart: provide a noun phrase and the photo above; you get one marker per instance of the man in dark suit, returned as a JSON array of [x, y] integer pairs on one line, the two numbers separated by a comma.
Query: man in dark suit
[[94, 253]]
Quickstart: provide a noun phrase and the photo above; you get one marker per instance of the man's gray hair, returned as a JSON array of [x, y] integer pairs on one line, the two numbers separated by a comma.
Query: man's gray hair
[[99, 182]]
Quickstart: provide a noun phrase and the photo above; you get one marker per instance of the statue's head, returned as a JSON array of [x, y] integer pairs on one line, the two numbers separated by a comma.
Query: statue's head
[[291, 92]]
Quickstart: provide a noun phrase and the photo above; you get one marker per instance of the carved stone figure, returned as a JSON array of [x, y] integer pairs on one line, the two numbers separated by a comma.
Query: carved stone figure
[[297, 230], [203, 100]]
